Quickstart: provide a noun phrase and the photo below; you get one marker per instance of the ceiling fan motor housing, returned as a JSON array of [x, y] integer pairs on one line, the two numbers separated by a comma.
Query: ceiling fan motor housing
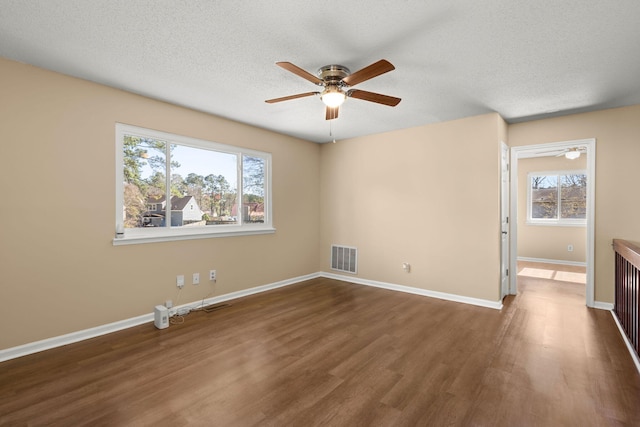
[[333, 74]]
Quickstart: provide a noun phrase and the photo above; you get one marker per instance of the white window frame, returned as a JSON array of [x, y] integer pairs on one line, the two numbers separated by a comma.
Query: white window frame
[[557, 222], [128, 236]]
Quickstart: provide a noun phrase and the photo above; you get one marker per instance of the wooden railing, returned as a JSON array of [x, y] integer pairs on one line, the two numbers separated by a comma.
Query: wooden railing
[[627, 304]]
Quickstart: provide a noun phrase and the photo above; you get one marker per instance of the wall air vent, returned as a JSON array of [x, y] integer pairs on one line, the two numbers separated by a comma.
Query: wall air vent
[[344, 258]]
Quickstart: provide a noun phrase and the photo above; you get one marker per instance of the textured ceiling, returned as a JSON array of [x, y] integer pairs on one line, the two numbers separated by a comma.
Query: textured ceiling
[[453, 58]]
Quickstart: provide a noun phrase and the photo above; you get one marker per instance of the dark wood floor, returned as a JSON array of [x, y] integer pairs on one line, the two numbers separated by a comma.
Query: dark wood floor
[[328, 353]]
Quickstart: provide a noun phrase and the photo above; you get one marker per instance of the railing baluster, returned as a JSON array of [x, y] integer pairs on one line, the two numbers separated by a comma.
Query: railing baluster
[[627, 290]]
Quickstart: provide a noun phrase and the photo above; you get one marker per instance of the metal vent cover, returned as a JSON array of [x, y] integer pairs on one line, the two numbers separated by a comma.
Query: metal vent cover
[[344, 258]]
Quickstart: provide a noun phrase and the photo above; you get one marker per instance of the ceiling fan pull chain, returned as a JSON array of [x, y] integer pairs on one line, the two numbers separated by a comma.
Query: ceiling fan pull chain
[[331, 131]]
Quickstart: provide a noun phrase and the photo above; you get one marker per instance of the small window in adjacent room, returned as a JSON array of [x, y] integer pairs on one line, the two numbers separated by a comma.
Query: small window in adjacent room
[[172, 187], [557, 198]]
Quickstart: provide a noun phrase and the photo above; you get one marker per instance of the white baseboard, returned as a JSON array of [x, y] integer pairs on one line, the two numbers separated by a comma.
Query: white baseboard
[[497, 305], [553, 261], [632, 352], [49, 343], [251, 291], [603, 305]]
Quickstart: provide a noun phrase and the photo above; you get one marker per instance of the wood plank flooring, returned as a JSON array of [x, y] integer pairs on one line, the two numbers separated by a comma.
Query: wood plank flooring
[[329, 353]]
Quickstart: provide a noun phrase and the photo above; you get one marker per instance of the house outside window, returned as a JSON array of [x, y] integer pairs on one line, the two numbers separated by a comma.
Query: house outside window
[[557, 198], [212, 189]]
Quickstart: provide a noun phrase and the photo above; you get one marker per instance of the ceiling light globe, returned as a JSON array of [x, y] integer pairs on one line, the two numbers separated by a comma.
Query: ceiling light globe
[[332, 98]]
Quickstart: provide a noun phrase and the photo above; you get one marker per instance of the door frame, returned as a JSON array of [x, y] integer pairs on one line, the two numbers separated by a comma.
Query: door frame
[[528, 151], [505, 254]]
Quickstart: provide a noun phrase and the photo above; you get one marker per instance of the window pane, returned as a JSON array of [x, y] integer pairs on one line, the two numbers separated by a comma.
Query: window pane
[[203, 187], [573, 196], [253, 182], [544, 197], [144, 180]]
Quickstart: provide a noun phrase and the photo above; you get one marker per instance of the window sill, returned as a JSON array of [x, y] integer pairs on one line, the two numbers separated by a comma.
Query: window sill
[[556, 223], [174, 235]]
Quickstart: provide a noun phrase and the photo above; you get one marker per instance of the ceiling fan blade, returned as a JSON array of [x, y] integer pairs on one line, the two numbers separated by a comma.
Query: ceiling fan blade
[[391, 101], [369, 72], [287, 98], [332, 113], [300, 72]]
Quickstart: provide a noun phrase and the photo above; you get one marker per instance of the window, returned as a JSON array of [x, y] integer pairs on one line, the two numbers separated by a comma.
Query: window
[[557, 198], [174, 187]]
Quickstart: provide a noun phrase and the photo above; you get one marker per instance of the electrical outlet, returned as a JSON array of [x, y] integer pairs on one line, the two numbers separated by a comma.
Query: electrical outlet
[[180, 281], [168, 303], [196, 279], [212, 275], [406, 267], [570, 248]]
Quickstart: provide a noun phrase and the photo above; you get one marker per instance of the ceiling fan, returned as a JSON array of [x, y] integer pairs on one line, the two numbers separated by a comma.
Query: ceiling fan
[[571, 153], [336, 81]]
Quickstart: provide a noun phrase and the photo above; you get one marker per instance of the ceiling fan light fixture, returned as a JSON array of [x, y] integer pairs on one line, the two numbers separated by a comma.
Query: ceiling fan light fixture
[[333, 97], [572, 154]]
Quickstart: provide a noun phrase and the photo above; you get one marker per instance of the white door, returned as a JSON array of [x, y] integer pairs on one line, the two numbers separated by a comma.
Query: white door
[[504, 220]]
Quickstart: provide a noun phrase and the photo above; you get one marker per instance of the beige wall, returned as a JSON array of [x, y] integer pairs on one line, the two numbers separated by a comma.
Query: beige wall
[[548, 242], [617, 134], [60, 272], [428, 196]]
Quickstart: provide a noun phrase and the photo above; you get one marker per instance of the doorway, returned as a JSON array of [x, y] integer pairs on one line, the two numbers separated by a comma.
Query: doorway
[[542, 150]]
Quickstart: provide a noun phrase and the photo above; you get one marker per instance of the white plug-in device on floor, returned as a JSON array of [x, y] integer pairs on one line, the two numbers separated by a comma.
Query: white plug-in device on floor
[[161, 317]]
